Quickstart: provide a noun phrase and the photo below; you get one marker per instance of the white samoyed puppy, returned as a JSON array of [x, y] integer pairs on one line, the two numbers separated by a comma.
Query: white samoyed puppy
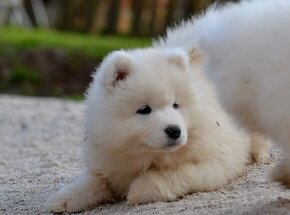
[[247, 55], [155, 132]]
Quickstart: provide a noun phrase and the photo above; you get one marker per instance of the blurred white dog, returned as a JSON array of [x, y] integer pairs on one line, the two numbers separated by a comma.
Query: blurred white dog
[[247, 49]]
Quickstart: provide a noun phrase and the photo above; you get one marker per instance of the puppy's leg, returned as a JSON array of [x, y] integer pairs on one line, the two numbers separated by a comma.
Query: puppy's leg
[[259, 148], [281, 172], [170, 184], [87, 191]]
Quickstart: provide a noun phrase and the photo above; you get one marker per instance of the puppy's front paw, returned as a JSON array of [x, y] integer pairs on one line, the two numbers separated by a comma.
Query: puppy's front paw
[[76, 202], [281, 173], [84, 193], [143, 190], [63, 202]]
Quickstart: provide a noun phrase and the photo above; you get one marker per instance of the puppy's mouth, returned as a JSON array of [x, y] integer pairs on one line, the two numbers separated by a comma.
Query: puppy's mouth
[[167, 147], [171, 146]]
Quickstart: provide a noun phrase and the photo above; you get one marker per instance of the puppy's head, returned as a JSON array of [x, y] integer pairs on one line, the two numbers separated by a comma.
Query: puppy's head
[[142, 99]]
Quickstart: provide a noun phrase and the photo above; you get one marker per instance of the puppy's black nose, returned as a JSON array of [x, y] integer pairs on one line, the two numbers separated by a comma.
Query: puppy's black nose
[[173, 132]]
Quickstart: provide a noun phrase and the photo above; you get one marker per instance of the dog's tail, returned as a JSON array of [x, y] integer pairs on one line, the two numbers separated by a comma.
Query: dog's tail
[[179, 36], [186, 35]]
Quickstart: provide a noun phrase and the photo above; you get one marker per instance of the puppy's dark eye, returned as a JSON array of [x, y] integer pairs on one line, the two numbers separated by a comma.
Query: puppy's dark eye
[[175, 105], [146, 109]]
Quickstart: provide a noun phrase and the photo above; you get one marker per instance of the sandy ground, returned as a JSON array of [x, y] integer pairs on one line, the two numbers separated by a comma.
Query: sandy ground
[[40, 145]]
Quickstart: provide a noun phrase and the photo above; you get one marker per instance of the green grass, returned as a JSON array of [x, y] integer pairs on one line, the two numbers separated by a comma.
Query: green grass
[[77, 97], [93, 45], [24, 78], [20, 73]]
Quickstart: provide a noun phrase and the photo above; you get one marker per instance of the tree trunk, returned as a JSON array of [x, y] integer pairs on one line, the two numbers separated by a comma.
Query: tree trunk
[[137, 12]]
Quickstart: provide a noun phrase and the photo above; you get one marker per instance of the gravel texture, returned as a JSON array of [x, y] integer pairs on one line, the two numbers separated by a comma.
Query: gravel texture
[[40, 149]]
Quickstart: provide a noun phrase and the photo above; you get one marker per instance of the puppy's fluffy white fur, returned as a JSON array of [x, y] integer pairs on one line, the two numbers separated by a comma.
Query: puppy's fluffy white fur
[[128, 155], [247, 49]]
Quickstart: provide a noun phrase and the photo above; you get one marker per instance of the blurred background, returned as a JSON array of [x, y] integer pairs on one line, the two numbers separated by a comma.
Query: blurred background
[[50, 47]]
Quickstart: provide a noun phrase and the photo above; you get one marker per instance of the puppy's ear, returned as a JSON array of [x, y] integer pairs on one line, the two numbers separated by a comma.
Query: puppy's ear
[[177, 57], [116, 68]]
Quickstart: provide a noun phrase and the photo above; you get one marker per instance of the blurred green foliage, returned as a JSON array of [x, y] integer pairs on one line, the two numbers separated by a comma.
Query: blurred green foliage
[[79, 97], [21, 73], [49, 63], [92, 45]]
